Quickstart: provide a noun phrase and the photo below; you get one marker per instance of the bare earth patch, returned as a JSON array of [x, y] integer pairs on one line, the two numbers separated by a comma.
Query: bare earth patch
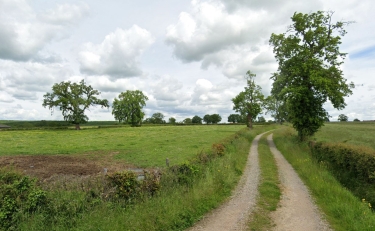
[[45, 167]]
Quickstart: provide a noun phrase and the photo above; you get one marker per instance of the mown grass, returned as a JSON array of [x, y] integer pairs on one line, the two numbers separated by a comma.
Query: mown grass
[[356, 133], [343, 210], [269, 191], [175, 207], [141, 146]]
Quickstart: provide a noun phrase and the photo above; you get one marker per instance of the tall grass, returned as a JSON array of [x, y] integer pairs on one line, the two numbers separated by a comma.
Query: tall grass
[[342, 209]]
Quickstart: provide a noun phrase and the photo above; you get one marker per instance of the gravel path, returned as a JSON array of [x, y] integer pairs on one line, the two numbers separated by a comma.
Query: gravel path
[[234, 214], [297, 211]]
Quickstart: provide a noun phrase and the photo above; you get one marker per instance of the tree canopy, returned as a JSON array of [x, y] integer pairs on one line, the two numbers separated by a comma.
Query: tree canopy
[[249, 102], [277, 108], [235, 118], [196, 120], [343, 118], [128, 107], [309, 70], [73, 99]]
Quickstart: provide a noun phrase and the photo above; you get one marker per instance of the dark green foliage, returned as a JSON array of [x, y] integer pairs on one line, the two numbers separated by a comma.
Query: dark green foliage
[[353, 166], [128, 107], [249, 102], [343, 118], [196, 120], [73, 99], [18, 196], [236, 118], [309, 72], [172, 120]]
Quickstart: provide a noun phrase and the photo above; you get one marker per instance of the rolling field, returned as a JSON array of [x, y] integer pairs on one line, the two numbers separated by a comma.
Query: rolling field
[[361, 133], [140, 146]]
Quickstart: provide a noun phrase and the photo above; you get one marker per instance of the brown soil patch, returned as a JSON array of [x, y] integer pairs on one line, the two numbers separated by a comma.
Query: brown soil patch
[[44, 166]]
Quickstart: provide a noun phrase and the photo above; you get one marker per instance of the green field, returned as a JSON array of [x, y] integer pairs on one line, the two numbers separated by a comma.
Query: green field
[[361, 133], [141, 146]]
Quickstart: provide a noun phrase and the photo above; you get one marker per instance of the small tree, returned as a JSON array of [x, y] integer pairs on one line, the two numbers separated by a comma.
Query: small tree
[[73, 99], [277, 108], [187, 121], [249, 102], [215, 118], [172, 120], [128, 107], [207, 119], [356, 120], [309, 70], [343, 118], [196, 120], [235, 118], [261, 119], [157, 118]]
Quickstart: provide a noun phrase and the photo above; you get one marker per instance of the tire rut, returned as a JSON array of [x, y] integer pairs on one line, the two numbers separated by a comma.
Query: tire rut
[[234, 214], [296, 210]]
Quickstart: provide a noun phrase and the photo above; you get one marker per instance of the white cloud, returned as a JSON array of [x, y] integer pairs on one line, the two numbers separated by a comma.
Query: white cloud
[[118, 54], [24, 33], [22, 80]]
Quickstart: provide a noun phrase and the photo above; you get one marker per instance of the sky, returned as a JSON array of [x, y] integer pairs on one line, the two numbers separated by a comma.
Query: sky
[[188, 57]]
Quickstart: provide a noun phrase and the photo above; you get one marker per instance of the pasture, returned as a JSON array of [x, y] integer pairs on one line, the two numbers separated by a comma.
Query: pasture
[[356, 133], [139, 146]]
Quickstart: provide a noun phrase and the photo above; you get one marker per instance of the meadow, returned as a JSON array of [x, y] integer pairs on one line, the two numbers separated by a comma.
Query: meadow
[[356, 133], [204, 178], [140, 146]]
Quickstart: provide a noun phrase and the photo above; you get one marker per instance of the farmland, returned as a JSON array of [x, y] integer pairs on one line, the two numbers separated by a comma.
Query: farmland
[[356, 133], [140, 146]]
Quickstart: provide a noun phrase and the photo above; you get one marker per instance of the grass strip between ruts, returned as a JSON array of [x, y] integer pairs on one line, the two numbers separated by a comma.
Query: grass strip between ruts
[[269, 191]]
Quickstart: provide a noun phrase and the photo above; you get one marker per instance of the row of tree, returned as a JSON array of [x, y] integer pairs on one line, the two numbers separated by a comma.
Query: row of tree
[[73, 99]]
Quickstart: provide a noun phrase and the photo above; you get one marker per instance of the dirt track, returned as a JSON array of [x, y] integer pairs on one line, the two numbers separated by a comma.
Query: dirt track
[[296, 212]]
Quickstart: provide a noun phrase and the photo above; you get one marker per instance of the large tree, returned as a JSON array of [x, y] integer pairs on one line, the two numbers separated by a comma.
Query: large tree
[[128, 107], [249, 102], [309, 70], [215, 118], [73, 99]]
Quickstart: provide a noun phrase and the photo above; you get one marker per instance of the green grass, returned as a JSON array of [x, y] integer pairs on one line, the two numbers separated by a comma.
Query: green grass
[[359, 133], [141, 146], [176, 206], [343, 210], [269, 191]]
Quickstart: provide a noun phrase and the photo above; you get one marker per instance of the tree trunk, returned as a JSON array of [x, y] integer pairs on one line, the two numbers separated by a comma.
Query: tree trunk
[[78, 127], [249, 122]]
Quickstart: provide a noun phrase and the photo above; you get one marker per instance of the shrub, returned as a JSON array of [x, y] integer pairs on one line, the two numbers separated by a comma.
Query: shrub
[[18, 195]]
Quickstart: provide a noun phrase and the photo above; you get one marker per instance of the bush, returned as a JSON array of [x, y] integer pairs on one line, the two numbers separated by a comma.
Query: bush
[[353, 166], [19, 195]]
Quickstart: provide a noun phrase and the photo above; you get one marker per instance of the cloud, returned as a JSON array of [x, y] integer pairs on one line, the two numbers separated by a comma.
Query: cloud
[[232, 35], [118, 54], [21, 80], [24, 33]]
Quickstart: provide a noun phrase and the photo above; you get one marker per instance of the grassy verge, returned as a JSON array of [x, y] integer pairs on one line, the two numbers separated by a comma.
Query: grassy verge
[[269, 191], [342, 209], [176, 206]]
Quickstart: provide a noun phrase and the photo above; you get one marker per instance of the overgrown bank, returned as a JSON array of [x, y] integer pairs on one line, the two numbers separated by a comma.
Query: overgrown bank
[[183, 194]]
